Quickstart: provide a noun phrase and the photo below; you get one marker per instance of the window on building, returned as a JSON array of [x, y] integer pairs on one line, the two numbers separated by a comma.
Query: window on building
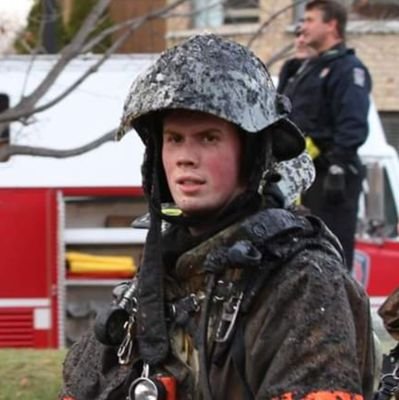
[[241, 11], [359, 9], [207, 14], [298, 11], [213, 13], [4, 105], [375, 9]]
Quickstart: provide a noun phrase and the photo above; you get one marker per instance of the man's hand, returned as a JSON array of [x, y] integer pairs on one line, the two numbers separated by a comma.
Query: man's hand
[[334, 184]]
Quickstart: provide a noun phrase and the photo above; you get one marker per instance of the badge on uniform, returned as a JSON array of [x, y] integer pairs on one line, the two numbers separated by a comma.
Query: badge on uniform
[[324, 72], [359, 77]]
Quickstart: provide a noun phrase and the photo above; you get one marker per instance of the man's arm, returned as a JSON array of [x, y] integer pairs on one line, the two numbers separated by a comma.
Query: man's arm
[[348, 90], [315, 335]]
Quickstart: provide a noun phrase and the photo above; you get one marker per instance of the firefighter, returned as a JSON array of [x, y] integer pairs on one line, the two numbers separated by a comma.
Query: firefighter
[[237, 297], [330, 103]]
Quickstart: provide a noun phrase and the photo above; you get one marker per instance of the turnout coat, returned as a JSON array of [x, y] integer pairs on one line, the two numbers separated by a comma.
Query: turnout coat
[[302, 330]]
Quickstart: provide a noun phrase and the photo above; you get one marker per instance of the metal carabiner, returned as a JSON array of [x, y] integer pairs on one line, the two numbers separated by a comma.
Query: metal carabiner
[[228, 318], [125, 350]]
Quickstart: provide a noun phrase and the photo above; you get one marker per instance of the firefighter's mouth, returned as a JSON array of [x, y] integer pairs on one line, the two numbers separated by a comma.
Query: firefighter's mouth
[[190, 181]]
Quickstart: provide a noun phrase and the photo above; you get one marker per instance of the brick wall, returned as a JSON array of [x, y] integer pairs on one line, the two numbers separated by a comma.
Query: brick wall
[[150, 38], [182, 21], [375, 43], [380, 52]]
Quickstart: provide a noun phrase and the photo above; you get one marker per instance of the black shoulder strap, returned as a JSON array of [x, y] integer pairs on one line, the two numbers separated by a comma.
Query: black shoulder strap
[[254, 283], [238, 356]]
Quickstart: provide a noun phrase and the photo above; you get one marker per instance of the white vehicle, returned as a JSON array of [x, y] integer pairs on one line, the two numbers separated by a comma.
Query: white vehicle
[[376, 263]]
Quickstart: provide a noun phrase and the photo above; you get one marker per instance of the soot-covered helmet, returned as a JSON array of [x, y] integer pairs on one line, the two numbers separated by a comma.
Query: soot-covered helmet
[[210, 74]]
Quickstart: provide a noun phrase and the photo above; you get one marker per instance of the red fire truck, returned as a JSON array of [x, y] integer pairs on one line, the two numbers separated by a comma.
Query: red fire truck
[[50, 207]]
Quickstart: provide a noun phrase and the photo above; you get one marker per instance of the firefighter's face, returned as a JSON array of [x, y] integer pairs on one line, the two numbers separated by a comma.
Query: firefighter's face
[[317, 33], [201, 155]]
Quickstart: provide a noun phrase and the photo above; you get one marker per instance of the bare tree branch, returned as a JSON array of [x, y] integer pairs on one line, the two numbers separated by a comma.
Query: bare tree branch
[[25, 107], [12, 150], [23, 111], [133, 24], [112, 49], [200, 9], [271, 19]]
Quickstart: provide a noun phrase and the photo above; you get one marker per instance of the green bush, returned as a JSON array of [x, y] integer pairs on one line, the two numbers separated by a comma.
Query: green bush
[[64, 33], [30, 374], [31, 35]]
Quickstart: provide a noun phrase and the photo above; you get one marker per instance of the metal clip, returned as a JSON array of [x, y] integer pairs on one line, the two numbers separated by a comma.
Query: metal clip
[[126, 348], [143, 379], [223, 290], [231, 307], [146, 371]]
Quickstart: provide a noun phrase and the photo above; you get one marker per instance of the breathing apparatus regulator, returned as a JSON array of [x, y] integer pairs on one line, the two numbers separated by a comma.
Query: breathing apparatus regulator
[[140, 312], [116, 327], [111, 324]]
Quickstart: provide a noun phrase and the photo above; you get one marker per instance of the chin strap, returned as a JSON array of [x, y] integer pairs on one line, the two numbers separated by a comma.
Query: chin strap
[[152, 333]]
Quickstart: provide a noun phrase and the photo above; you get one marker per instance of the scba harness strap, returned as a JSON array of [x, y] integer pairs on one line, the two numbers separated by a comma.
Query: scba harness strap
[[265, 249], [237, 343]]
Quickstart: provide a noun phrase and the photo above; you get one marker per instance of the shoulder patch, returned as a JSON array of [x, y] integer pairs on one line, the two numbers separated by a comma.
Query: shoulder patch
[[359, 77]]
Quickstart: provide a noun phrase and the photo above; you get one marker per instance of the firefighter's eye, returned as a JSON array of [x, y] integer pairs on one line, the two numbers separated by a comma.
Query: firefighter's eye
[[210, 137], [172, 138]]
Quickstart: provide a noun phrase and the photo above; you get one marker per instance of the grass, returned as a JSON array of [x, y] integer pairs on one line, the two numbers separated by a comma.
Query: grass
[[30, 374]]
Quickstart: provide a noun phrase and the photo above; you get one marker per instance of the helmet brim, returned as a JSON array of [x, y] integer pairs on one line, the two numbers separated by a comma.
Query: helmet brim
[[288, 140]]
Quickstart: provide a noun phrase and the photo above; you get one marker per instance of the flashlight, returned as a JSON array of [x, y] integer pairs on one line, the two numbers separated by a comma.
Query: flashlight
[[155, 388]]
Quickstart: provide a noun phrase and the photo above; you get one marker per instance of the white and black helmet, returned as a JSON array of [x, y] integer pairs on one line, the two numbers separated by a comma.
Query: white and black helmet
[[210, 74]]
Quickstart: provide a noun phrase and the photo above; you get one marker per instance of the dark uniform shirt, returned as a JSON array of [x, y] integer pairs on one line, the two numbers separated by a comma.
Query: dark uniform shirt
[[288, 71], [330, 101]]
